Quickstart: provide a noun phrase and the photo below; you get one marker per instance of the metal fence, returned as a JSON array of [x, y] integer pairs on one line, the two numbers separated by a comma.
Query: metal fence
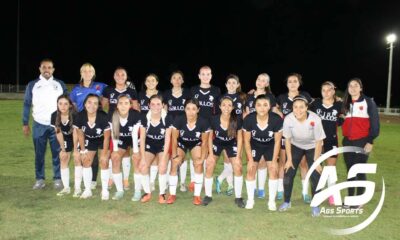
[[9, 88], [391, 112]]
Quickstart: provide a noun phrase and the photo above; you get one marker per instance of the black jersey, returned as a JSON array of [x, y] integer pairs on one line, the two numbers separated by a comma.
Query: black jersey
[[237, 103], [329, 116], [144, 101], [112, 94], [176, 105], [95, 131], [191, 135], [220, 133], [208, 99], [251, 101], [286, 103], [265, 136], [155, 134], [65, 128], [126, 125]]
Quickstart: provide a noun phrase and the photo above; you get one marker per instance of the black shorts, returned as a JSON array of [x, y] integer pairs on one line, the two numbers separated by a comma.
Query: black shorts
[[185, 146], [154, 148], [68, 144], [258, 151], [125, 142], [330, 144], [93, 144], [231, 150]]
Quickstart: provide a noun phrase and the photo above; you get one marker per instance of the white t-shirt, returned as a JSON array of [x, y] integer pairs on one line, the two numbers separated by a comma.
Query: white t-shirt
[[303, 134]]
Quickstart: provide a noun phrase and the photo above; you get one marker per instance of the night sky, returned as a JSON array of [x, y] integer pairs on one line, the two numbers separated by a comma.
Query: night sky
[[322, 40]]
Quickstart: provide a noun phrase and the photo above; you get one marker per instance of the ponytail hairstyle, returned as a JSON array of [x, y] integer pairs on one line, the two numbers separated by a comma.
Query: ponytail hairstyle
[[241, 94], [331, 84], [163, 112], [267, 89], [233, 119], [71, 112], [115, 122], [347, 97], [128, 82], [298, 76], [144, 88]]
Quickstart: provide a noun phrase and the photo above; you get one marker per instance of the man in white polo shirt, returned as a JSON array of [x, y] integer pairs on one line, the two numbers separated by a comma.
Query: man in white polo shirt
[[42, 94]]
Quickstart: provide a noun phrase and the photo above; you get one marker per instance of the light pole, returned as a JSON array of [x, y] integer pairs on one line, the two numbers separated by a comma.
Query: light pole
[[391, 38]]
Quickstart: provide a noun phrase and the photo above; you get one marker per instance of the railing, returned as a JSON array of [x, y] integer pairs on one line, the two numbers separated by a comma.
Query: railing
[[392, 111], [9, 88]]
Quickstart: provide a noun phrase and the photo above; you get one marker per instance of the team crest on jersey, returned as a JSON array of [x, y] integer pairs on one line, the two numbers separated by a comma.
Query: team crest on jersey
[[334, 112], [98, 131], [162, 131], [270, 133], [112, 95], [251, 103], [253, 133], [83, 128], [142, 102], [198, 134], [196, 96], [211, 98], [169, 102], [55, 87], [130, 128], [181, 132], [239, 105], [183, 101], [284, 104]]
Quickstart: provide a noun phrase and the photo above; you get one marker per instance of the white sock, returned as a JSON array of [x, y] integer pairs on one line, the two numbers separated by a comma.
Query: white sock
[[78, 177], [280, 184], [162, 183], [229, 175], [183, 171], [110, 169], [105, 175], [208, 182], [272, 188], [126, 167], [238, 186], [168, 171], [153, 173], [305, 190], [191, 170], [173, 181], [87, 177], [250, 186], [137, 181], [262, 178], [145, 180], [330, 182], [198, 183], [224, 173], [65, 177], [118, 181]]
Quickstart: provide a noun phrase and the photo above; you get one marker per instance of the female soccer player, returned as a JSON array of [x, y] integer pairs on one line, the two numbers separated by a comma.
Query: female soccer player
[[285, 101], [360, 127], [62, 120], [149, 89], [190, 133], [304, 136], [175, 99], [109, 102], [158, 127], [124, 124], [93, 134], [226, 135], [329, 109], [262, 138]]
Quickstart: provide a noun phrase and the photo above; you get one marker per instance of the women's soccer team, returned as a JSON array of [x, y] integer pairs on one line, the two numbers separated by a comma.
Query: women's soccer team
[[115, 127]]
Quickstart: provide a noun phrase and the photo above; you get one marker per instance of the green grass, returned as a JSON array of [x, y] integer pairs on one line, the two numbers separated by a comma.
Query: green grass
[[28, 214]]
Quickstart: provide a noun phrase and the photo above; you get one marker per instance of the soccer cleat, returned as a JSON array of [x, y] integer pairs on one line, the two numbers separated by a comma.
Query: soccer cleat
[[86, 194], [162, 199], [146, 198], [126, 184], [118, 195], [261, 193], [65, 191], [105, 195], [285, 206], [217, 186], [206, 200], [249, 204], [279, 196], [272, 206], [77, 193], [171, 199], [136, 196], [152, 187], [315, 211], [58, 184], [229, 192], [306, 198], [93, 185], [331, 200], [110, 183], [239, 202], [191, 187], [39, 184], [196, 200], [183, 187]]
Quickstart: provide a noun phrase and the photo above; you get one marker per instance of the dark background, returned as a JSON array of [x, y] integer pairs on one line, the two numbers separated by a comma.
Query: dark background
[[322, 40]]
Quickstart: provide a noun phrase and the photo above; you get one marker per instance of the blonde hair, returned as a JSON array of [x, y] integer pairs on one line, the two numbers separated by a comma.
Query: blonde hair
[[90, 66], [115, 123]]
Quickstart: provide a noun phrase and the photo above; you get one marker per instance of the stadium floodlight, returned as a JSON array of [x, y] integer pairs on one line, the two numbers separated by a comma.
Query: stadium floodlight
[[391, 38]]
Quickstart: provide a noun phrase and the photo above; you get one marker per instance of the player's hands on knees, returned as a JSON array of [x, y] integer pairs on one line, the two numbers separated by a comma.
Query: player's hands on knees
[[288, 165], [368, 147]]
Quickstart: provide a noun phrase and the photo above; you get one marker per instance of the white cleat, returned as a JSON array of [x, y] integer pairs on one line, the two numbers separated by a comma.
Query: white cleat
[[86, 194], [183, 187], [63, 192], [272, 206], [152, 187], [249, 204], [77, 193], [105, 195], [93, 185]]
